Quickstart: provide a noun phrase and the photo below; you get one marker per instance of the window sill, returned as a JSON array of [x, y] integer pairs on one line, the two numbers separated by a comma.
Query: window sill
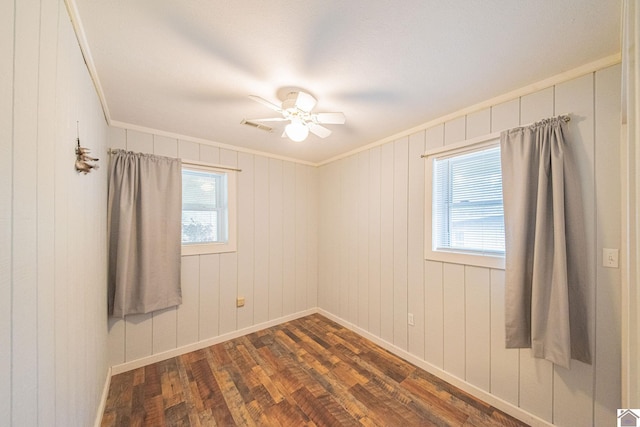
[[488, 261], [210, 248]]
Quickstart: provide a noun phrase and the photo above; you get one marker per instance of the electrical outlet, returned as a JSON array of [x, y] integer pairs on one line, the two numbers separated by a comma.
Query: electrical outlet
[[610, 258], [410, 319], [240, 302]]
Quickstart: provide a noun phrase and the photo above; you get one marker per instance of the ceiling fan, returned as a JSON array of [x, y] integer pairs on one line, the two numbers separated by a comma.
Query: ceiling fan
[[296, 108]]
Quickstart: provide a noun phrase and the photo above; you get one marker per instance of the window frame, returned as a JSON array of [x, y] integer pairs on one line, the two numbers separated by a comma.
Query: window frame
[[446, 255], [232, 187]]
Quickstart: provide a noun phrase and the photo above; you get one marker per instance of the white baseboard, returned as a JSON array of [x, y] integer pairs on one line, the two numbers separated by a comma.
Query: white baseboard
[[483, 395], [138, 363], [103, 399]]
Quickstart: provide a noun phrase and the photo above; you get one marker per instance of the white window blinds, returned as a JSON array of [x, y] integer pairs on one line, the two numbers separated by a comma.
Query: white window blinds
[[467, 202], [204, 207]]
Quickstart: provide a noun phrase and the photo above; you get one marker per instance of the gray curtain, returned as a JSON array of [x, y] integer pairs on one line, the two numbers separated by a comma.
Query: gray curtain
[[546, 265], [144, 217]]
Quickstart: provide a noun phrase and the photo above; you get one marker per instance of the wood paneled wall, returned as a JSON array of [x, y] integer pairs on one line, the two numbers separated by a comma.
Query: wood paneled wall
[[275, 267], [53, 324], [373, 273]]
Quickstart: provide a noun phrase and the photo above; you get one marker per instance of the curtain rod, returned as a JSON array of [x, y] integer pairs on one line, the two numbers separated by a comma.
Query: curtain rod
[[487, 137], [189, 162]]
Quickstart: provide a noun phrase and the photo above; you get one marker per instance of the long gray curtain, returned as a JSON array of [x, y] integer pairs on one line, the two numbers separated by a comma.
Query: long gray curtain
[[546, 265], [144, 217]]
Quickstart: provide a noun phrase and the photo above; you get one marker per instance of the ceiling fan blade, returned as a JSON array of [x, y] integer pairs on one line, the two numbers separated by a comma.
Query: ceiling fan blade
[[318, 130], [305, 102], [266, 103], [329, 118], [269, 119]]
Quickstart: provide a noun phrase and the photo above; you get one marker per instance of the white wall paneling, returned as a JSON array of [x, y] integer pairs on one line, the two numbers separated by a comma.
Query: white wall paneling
[[505, 364], [348, 245], [434, 313], [349, 289], [228, 292], [312, 241], [139, 142], [289, 238], [374, 213], [328, 250], [340, 296], [49, 15], [386, 239], [312, 238], [455, 130], [453, 283], [630, 197], [608, 297], [478, 124], [164, 146], [165, 330], [433, 282], [209, 296], [313, 204], [301, 252], [187, 313], [434, 137], [505, 115], [138, 336], [228, 269], [25, 137], [400, 236], [458, 309], [209, 154], [53, 339], [246, 232], [277, 239], [362, 197], [7, 21], [191, 151], [261, 240], [478, 326], [415, 248]]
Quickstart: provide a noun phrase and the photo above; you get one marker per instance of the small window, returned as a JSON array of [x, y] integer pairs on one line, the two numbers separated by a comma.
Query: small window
[[465, 206], [208, 210]]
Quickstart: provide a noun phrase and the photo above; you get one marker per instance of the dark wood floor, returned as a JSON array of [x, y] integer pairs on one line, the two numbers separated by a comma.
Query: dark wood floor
[[307, 372]]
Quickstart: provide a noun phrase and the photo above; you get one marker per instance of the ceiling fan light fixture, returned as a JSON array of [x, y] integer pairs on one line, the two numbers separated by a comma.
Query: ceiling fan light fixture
[[296, 131], [296, 108]]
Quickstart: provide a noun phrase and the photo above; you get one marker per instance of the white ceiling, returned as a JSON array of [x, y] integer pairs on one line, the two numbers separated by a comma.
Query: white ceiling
[[187, 67]]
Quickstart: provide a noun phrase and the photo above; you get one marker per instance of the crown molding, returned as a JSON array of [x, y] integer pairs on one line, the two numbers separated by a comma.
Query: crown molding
[[588, 68]]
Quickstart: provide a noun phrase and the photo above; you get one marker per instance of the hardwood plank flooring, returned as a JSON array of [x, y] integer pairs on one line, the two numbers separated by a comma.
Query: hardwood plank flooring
[[307, 372]]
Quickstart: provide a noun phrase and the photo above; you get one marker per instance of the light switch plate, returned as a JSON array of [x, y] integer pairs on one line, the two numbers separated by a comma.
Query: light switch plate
[[610, 257]]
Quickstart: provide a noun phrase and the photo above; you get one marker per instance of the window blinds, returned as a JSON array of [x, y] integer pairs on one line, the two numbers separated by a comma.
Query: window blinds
[[467, 202], [204, 207]]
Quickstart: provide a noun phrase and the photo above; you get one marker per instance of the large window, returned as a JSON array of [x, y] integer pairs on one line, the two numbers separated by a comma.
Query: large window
[[465, 206], [208, 210]]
